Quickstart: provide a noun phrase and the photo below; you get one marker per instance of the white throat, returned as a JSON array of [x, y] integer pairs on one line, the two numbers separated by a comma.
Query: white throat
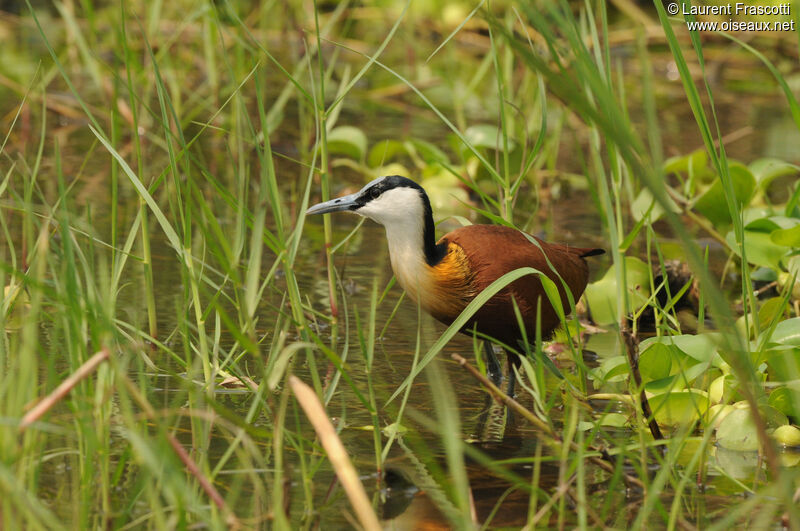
[[402, 213]]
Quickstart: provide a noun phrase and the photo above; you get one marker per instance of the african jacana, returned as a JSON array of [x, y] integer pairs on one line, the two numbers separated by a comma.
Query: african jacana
[[445, 276]]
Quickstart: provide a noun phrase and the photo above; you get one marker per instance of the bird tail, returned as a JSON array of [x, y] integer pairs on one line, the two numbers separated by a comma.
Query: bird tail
[[583, 253]]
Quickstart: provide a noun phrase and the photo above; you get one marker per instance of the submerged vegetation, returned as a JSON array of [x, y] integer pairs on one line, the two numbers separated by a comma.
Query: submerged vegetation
[[165, 298]]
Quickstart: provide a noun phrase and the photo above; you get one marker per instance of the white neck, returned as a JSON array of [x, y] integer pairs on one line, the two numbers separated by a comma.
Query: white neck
[[407, 255], [402, 213]]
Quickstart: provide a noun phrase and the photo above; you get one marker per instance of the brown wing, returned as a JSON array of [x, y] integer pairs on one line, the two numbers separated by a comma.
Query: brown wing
[[493, 251]]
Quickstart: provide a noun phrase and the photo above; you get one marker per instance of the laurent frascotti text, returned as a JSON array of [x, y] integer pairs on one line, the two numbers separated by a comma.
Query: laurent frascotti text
[[738, 8]]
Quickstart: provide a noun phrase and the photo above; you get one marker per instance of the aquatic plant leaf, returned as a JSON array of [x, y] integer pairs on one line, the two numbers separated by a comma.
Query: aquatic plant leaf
[[767, 169], [679, 408], [655, 363], [787, 436], [696, 161], [786, 400], [787, 237], [446, 195], [764, 274], [645, 203], [349, 141], [429, 152], [768, 222], [668, 384], [713, 205], [601, 296], [770, 312], [613, 420], [738, 432], [384, 151], [738, 464], [783, 364], [701, 347], [680, 380], [605, 345], [487, 136], [787, 332], [759, 247], [614, 369]]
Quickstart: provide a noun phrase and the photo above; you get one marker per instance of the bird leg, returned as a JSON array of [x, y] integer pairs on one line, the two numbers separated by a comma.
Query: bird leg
[[493, 368], [514, 364]]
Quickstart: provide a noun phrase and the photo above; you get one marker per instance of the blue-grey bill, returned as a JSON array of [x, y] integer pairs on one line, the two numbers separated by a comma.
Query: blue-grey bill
[[347, 202]]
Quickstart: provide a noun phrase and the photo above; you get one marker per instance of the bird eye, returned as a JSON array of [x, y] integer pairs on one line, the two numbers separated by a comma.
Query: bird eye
[[374, 192]]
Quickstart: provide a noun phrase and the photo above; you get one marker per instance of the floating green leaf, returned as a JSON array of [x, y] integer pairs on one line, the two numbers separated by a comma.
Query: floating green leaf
[[783, 364], [383, 152], [788, 237], [701, 347], [679, 408], [713, 205], [644, 202], [767, 169], [787, 435], [487, 136], [787, 332], [655, 362], [696, 161], [738, 432], [786, 400], [602, 295], [613, 369], [760, 248], [349, 141], [614, 420], [429, 153]]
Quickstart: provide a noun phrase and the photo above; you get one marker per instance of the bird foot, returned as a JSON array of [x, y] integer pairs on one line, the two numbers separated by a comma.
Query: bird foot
[[495, 376]]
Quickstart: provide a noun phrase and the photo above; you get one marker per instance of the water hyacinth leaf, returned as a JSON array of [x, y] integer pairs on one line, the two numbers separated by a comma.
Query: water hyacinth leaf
[[787, 332], [655, 363], [665, 385], [788, 237], [786, 400], [601, 296], [783, 364], [678, 381], [764, 274], [769, 223], [754, 216], [722, 389], [605, 345], [713, 205], [701, 347], [738, 432], [429, 153], [613, 420], [694, 162], [349, 141], [788, 436], [384, 152], [487, 136], [446, 195], [770, 312], [645, 203], [679, 408], [614, 369], [739, 465], [767, 169], [760, 248]]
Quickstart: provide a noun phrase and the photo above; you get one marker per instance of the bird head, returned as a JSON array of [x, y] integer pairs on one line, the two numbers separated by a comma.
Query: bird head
[[391, 200]]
